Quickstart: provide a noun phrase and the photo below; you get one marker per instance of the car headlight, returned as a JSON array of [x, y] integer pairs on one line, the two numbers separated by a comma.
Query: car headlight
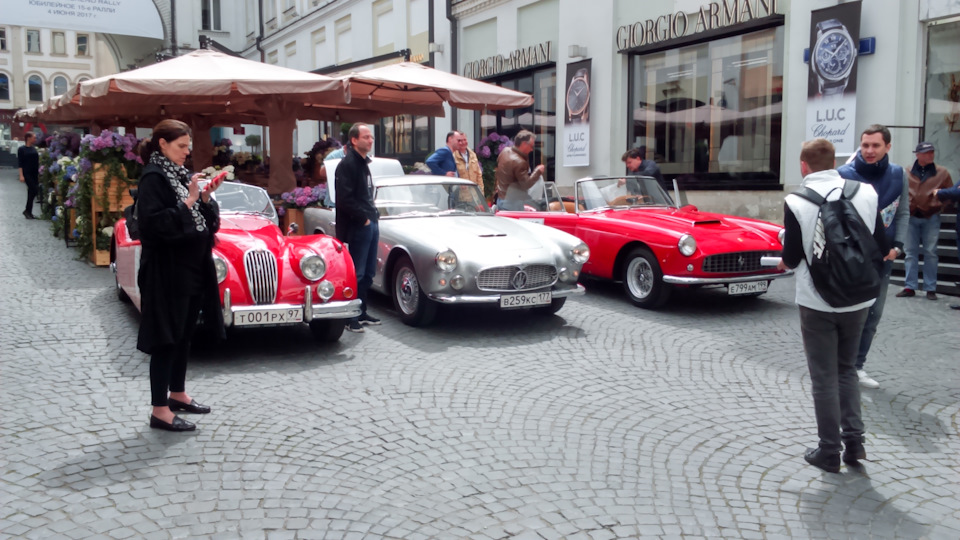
[[780, 236], [313, 267], [580, 253], [446, 260], [687, 245], [221, 266]]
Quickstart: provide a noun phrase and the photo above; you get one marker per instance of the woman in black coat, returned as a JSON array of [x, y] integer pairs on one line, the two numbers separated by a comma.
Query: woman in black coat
[[177, 277]]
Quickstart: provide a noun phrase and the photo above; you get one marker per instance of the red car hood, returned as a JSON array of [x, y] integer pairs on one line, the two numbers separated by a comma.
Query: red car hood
[[714, 232], [240, 233]]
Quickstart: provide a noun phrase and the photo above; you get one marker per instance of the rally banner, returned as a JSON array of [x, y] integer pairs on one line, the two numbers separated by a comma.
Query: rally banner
[[832, 76], [125, 17], [576, 115]]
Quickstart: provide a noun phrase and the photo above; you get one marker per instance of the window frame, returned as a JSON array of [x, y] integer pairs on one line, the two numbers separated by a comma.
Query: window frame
[[3, 39], [86, 46], [213, 9], [39, 41], [63, 43], [5, 86], [30, 86]]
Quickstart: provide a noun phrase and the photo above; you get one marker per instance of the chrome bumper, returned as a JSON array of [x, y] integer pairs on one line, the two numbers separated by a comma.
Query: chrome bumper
[[494, 298], [341, 309], [682, 280]]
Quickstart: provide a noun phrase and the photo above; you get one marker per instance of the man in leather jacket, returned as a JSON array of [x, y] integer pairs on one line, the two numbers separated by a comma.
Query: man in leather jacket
[[514, 176]]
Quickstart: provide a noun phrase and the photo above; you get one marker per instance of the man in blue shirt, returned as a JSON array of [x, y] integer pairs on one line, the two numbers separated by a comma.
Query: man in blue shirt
[[442, 162]]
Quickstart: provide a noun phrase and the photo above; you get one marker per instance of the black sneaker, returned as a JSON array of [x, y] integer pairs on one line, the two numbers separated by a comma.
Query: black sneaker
[[354, 326], [853, 452], [819, 458], [365, 318]]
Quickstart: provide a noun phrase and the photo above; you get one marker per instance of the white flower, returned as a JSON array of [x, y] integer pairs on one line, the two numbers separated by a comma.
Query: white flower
[[230, 176], [209, 171], [107, 231]]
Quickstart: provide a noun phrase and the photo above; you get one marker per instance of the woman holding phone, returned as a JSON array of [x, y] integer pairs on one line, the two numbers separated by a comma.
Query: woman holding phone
[[177, 277]]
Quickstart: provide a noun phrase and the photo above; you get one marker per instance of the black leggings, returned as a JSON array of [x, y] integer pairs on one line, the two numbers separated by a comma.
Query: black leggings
[[168, 365]]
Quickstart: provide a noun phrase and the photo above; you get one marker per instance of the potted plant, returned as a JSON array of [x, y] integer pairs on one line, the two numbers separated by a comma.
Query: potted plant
[[487, 153], [293, 203]]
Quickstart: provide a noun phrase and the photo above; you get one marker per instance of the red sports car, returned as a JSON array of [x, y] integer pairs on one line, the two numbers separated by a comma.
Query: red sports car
[[638, 236], [266, 278]]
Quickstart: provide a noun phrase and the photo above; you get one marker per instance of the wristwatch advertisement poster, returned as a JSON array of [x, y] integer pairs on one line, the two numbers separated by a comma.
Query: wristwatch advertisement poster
[[832, 76], [576, 114]]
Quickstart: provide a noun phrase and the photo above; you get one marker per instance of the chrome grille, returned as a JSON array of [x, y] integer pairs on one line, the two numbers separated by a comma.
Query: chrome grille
[[738, 262], [505, 278], [261, 269]]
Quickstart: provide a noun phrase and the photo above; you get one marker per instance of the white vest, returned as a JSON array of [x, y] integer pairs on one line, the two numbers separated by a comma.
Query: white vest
[[825, 182]]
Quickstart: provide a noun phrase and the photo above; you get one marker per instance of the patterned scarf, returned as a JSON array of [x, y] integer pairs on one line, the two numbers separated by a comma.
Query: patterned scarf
[[179, 178]]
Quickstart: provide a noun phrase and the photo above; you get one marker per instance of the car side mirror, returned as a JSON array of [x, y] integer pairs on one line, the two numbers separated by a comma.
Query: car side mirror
[[689, 208], [293, 229]]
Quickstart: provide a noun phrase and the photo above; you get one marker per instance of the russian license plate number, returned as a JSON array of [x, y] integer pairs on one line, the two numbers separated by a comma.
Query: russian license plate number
[[749, 287], [509, 301], [267, 317]]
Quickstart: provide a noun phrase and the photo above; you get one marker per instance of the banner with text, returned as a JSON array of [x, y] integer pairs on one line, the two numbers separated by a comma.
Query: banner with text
[[832, 76], [124, 17], [576, 115]]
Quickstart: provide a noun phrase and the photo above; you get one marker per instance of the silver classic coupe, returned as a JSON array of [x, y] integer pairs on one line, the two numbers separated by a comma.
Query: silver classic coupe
[[441, 244]]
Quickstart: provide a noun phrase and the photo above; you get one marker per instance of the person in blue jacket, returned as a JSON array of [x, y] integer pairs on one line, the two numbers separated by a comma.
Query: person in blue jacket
[[442, 162], [872, 165], [951, 194]]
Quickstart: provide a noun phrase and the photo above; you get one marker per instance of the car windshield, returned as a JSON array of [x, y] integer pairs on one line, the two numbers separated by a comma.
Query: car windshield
[[237, 197], [430, 199], [622, 192]]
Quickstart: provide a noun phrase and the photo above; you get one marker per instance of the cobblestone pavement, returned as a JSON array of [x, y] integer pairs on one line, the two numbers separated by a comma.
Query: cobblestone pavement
[[604, 421]]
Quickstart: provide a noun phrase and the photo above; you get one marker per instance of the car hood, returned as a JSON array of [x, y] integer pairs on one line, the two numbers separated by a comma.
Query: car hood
[[240, 233], [468, 235], [706, 227]]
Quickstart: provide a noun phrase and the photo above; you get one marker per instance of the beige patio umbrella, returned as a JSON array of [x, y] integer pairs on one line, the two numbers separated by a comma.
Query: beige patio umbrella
[[413, 84]]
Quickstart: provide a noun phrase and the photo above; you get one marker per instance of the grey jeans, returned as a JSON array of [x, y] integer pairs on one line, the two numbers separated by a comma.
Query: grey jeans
[[830, 341]]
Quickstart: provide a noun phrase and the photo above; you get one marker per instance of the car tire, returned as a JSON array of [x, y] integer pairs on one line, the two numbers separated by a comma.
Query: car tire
[[327, 330], [554, 307], [414, 307], [643, 279]]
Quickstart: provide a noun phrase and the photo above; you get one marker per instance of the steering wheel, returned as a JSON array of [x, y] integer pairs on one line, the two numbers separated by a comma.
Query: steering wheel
[[626, 200], [465, 206]]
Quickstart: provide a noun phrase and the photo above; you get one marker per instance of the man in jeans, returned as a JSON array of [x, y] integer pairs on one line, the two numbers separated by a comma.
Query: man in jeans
[[357, 217], [28, 161], [871, 165], [830, 334], [925, 179]]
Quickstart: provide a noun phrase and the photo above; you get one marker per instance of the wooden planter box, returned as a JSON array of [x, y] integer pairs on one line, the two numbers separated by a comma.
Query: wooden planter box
[[100, 257], [115, 204]]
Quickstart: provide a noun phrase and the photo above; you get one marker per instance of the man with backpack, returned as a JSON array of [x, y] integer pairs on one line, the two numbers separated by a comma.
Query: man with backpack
[[872, 165], [833, 238]]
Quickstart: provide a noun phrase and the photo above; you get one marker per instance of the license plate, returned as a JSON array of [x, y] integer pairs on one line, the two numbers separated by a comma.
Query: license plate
[[749, 287], [268, 316], [508, 301]]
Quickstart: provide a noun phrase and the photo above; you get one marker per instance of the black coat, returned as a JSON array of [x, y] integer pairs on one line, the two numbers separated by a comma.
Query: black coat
[[168, 236], [354, 194]]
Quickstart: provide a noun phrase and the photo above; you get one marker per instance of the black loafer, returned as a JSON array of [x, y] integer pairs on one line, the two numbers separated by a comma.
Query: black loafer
[[192, 407], [823, 460], [178, 424]]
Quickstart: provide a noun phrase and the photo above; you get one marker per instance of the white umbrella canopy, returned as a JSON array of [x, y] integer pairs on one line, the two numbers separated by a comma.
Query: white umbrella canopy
[[413, 84]]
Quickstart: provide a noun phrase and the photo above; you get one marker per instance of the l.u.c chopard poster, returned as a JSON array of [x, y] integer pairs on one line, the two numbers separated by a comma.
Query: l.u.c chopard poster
[[576, 115], [832, 76]]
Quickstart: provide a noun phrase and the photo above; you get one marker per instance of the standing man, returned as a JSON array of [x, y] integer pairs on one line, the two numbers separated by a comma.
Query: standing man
[[925, 179], [28, 160], [357, 217], [871, 165], [441, 162], [830, 334], [514, 176], [468, 166], [637, 164]]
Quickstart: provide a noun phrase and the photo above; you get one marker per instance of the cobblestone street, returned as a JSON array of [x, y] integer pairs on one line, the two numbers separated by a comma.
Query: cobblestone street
[[603, 421]]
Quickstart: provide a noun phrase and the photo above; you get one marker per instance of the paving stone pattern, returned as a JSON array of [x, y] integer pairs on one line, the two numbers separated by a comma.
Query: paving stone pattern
[[604, 421]]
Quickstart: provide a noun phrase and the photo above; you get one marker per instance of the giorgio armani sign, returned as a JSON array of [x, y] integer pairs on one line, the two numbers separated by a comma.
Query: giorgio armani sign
[[527, 57], [712, 16]]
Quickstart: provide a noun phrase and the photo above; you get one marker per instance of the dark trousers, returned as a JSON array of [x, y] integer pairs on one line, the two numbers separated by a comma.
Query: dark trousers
[[168, 366], [873, 317], [33, 188], [362, 243], [830, 341]]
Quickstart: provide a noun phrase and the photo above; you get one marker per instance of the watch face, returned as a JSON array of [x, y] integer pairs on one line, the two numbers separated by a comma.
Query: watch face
[[577, 96], [834, 55]]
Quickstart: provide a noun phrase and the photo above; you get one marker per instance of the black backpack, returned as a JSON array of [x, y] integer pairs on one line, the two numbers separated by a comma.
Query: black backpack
[[845, 262]]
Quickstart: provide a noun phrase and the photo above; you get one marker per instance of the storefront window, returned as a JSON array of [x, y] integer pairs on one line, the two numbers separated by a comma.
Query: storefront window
[[540, 118], [404, 137], [710, 114], [942, 119]]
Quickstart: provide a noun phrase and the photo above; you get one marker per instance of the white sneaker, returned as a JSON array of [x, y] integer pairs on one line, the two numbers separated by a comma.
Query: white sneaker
[[866, 381]]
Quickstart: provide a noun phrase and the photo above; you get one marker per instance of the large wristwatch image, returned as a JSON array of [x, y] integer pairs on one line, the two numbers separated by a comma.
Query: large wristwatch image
[[578, 97], [832, 57]]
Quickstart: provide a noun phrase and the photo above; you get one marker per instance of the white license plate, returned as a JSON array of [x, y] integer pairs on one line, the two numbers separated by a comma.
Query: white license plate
[[749, 287], [508, 301], [268, 316]]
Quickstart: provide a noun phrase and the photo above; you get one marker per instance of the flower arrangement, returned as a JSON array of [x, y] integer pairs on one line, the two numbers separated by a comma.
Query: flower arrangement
[[487, 153], [241, 159], [304, 197], [222, 152], [210, 172]]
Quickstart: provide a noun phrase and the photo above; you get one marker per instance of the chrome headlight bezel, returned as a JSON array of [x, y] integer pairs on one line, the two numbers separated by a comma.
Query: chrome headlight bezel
[[221, 267], [781, 234], [313, 266], [446, 260], [579, 253], [687, 245]]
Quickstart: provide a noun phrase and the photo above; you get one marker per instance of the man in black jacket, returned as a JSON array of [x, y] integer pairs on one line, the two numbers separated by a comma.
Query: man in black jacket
[[357, 217], [28, 161]]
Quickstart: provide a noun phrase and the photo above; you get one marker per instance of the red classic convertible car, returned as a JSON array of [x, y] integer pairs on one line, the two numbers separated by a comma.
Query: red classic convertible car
[[638, 236], [266, 278]]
